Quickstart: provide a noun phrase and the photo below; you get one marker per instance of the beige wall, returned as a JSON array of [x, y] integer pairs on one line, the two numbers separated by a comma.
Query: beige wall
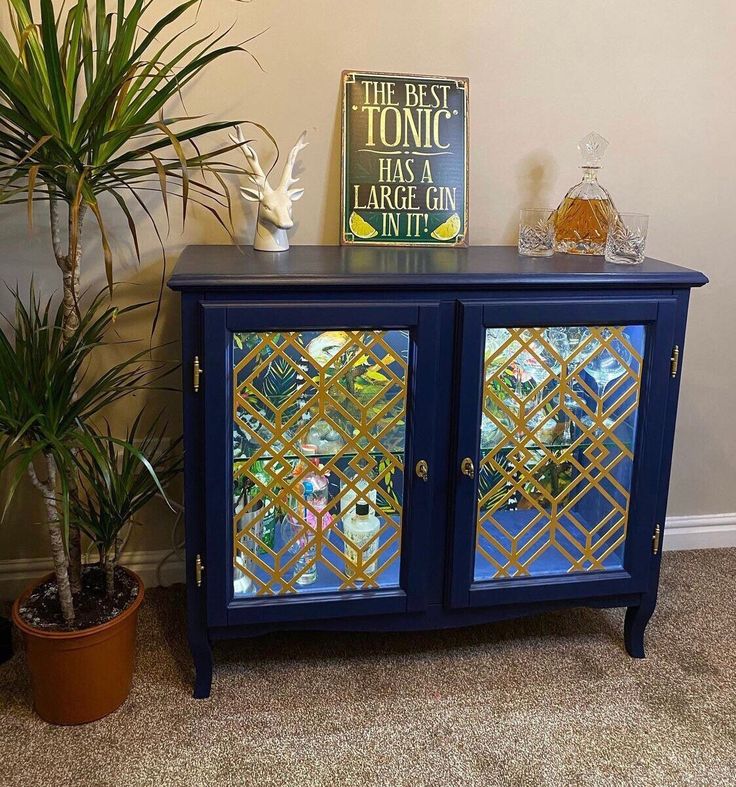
[[656, 78]]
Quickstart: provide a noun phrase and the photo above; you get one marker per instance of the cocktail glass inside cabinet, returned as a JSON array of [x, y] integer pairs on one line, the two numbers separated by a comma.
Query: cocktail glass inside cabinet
[[319, 431], [558, 434]]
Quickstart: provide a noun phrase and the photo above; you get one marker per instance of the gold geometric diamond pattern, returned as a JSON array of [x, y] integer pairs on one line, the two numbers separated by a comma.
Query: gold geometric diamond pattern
[[356, 386], [527, 412]]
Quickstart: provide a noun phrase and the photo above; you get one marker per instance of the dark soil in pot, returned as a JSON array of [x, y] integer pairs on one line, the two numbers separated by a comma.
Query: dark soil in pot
[[92, 606]]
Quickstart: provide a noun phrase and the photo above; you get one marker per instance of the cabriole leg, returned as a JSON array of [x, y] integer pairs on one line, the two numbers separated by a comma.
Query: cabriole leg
[[199, 644], [202, 656], [634, 626]]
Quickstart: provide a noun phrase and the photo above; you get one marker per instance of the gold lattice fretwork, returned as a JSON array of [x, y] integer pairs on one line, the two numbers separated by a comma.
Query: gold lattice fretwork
[[312, 408], [557, 440]]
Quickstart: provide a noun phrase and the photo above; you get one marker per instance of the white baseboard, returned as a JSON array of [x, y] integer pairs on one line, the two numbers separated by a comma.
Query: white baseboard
[[707, 531], [16, 575]]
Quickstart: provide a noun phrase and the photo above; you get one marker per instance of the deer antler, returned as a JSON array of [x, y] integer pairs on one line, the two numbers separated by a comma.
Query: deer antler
[[256, 173], [287, 181]]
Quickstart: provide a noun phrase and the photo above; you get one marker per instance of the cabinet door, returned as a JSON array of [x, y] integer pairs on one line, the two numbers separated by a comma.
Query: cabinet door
[[310, 410], [559, 444]]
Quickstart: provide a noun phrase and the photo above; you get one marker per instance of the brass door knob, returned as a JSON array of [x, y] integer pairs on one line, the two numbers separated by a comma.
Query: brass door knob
[[422, 470], [467, 467]]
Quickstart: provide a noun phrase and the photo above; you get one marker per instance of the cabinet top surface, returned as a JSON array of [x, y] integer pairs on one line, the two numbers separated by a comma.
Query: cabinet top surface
[[228, 267]]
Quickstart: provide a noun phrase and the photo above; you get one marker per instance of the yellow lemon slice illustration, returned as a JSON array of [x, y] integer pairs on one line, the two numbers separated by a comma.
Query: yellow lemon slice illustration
[[448, 229], [360, 227]]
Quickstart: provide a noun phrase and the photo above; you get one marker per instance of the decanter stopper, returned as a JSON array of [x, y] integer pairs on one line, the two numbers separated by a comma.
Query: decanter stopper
[[592, 149]]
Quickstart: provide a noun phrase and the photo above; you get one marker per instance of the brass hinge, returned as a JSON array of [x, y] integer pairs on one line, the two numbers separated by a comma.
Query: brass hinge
[[198, 571], [675, 361], [656, 538], [197, 372]]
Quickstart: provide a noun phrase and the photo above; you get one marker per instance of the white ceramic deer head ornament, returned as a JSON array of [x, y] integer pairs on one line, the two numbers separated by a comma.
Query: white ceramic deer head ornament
[[274, 205]]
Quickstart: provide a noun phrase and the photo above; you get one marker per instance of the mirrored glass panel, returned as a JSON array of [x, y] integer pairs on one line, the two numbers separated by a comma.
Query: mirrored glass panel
[[558, 431], [319, 422]]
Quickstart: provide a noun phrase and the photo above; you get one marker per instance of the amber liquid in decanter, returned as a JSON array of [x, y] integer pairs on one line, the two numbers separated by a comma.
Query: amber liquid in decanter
[[581, 225]]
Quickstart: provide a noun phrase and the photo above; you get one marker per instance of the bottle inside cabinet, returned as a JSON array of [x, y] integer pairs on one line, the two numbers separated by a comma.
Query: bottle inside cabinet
[[362, 530]]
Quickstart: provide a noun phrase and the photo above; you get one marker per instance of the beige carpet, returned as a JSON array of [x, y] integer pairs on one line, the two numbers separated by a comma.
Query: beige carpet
[[552, 700]]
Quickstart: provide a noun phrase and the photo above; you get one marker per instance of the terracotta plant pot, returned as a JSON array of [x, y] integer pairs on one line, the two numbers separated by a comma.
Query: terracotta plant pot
[[80, 676]]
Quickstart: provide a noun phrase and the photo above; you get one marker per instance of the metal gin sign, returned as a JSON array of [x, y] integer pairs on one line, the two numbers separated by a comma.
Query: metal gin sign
[[404, 160]]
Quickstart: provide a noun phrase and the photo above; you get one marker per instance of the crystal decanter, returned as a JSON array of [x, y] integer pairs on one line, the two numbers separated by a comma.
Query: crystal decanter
[[581, 223]]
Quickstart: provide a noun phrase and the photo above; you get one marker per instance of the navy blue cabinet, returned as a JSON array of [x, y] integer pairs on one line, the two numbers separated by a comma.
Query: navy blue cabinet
[[393, 439]]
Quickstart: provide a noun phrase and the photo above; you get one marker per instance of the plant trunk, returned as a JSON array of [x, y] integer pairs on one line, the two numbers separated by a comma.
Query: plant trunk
[[58, 553], [110, 573], [75, 559], [70, 262], [111, 563], [61, 569], [71, 301]]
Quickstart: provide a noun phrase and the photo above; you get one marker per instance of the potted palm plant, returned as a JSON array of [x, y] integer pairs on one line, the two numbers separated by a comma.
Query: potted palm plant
[[84, 675], [47, 415], [88, 109], [89, 119]]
